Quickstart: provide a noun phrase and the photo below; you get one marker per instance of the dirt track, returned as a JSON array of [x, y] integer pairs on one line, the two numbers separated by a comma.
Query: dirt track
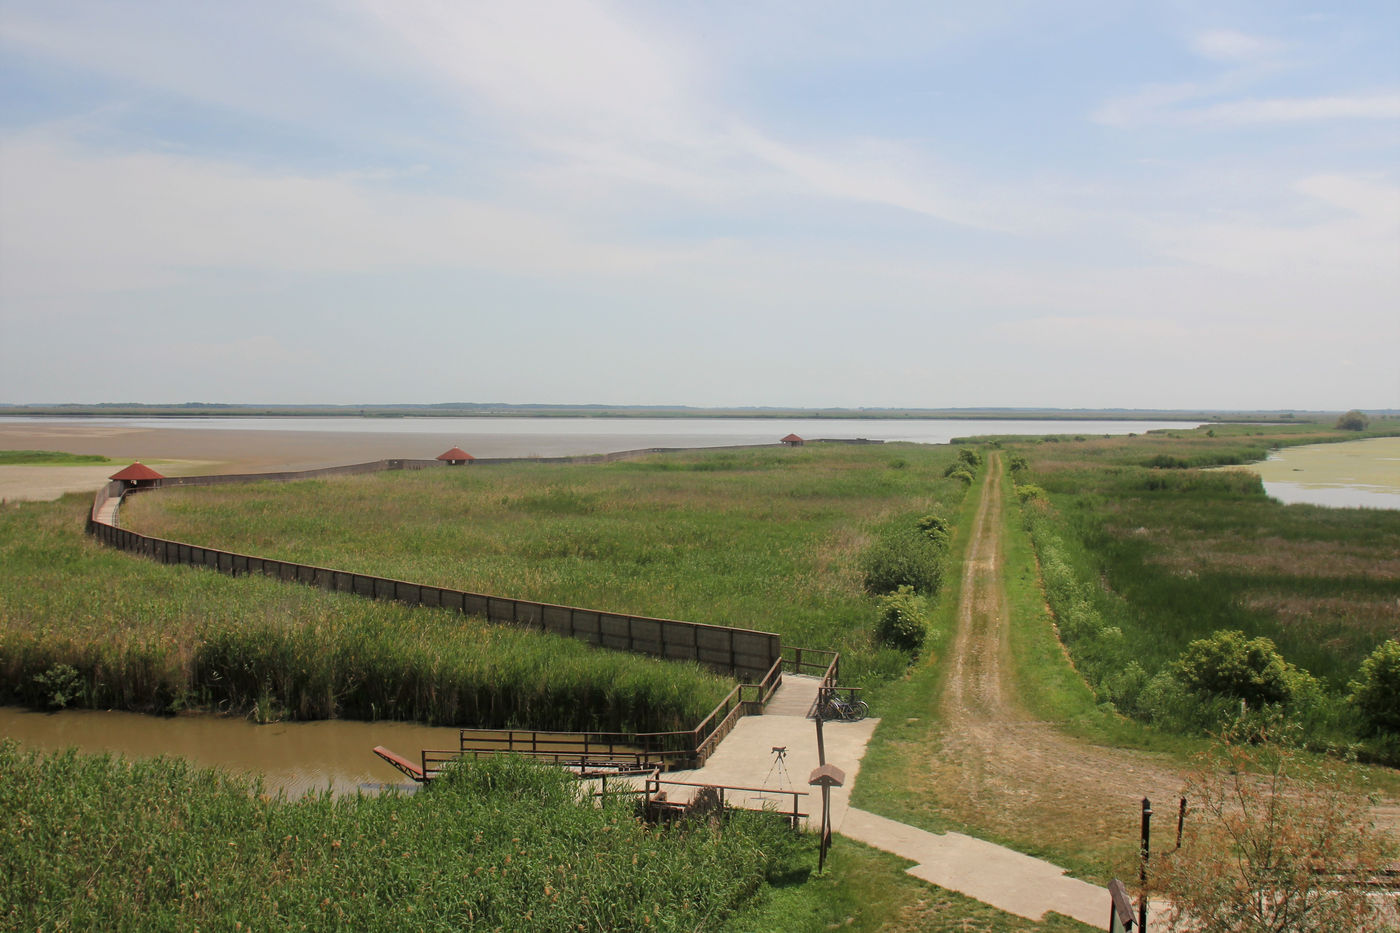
[[1003, 770]]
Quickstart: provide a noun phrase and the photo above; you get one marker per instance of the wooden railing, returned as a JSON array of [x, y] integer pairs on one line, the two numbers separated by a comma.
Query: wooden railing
[[654, 794], [664, 750]]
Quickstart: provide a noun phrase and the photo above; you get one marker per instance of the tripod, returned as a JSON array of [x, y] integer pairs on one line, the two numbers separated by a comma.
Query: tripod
[[779, 767]]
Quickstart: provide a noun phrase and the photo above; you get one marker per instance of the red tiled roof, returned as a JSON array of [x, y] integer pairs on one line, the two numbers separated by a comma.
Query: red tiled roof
[[792, 439], [136, 471], [456, 453]]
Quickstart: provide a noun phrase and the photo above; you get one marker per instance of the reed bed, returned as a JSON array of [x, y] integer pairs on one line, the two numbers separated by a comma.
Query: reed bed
[[501, 844], [84, 625]]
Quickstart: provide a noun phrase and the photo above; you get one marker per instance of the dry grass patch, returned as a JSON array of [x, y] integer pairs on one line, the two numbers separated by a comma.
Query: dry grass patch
[[1186, 554]]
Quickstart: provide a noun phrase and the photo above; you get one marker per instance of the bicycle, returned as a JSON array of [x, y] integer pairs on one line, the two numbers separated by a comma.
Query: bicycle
[[837, 708]]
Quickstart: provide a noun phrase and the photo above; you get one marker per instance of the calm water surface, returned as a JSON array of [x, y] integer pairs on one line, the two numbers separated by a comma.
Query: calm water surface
[[293, 758], [524, 437], [1354, 474]]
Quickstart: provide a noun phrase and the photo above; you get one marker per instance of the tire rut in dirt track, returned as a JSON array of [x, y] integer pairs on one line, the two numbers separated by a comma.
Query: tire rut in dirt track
[[1005, 771]]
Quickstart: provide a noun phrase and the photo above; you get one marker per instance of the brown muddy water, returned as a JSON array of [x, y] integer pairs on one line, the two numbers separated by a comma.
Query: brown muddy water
[[291, 758]]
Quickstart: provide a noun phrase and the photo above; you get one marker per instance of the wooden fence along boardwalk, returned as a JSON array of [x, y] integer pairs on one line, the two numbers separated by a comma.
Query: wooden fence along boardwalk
[[758, 659]]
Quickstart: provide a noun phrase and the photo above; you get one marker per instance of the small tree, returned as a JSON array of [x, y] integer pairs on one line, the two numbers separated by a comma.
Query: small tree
[[1274, 841], [1353, 421], [902, 556], [1376, 691], [936, 528], [903, 619], [1228, 664]]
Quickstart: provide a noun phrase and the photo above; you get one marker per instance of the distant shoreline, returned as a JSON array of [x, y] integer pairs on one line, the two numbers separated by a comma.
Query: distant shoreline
[[467, 410]]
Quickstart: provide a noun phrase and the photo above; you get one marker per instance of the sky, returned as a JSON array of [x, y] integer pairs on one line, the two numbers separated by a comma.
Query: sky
[[1076, 204]]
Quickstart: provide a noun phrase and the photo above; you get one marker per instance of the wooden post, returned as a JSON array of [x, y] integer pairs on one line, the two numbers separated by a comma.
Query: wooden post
[[826, 777], [1144, 854]]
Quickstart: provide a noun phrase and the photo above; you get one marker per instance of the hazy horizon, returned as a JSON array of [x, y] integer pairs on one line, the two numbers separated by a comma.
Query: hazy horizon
[[1169, 206]]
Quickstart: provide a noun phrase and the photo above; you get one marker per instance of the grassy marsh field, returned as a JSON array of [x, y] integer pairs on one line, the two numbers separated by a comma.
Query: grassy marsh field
[[770, 539], [85, 625], [765, 539]]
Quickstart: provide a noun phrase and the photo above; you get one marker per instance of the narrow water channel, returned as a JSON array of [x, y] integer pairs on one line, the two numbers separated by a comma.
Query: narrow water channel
[[292, 758]]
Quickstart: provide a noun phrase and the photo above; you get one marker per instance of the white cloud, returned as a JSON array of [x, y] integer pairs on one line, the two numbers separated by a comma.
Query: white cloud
[[76, 219], [1229, 46], [1297, 110]]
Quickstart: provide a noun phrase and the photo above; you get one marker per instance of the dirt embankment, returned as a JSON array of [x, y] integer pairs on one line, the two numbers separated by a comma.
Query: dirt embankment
[[1001, 769]]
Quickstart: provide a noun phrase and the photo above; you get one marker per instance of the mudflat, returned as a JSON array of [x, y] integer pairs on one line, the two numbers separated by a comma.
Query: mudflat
[[223, 450], [183, 451]]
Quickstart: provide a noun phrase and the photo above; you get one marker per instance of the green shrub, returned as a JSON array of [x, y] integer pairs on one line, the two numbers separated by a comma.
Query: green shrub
[[1353, 421], [903, 619], [1167, 462], [59, 685], [1229, 664], [970, 457], [1376, 691], [902, 557], [936, 528], [960, 472], [1031, 493]]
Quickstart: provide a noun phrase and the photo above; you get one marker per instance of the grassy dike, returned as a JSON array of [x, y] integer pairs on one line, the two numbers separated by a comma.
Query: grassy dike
[[901, 776]]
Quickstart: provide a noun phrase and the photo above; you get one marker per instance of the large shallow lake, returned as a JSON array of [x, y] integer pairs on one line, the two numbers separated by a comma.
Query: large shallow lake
[[523, 437]]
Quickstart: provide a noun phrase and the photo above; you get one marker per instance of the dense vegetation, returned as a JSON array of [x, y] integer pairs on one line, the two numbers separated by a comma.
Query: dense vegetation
[[48, 458], [501, 844], [86, 625], [781, 540], [1183, 593]]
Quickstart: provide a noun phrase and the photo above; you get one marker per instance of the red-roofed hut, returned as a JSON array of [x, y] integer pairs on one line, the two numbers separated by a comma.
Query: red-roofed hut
[[455, 457], [137, 475], [792, 440]]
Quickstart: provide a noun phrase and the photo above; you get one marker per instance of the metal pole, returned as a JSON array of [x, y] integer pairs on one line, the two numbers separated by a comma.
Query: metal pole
[[821, 745], [1145, 853]]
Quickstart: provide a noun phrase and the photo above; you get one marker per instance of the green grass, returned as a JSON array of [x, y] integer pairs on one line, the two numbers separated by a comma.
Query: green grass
[[85, 625], [48, 458], [864, 890], [503, 844], [765, 539]]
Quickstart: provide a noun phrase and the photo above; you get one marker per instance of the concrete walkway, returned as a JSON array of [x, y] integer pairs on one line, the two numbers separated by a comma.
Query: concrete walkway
[[1008, 880]]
